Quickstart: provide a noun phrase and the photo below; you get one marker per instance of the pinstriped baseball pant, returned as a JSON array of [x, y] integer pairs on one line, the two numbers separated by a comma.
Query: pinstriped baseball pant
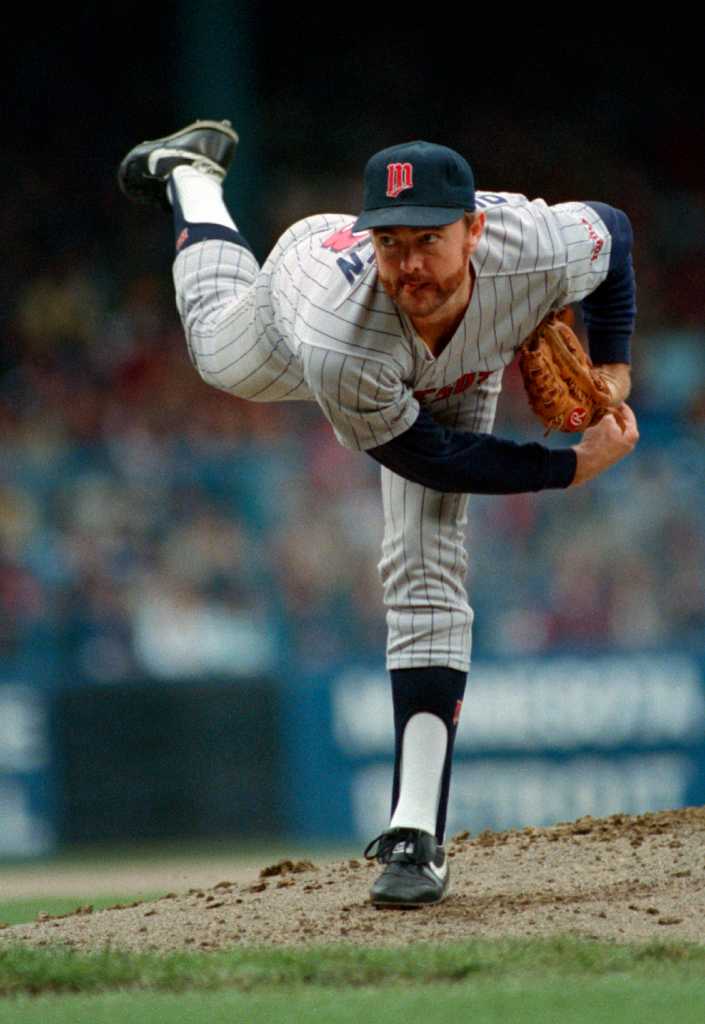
[[224, 302], [425, 559]]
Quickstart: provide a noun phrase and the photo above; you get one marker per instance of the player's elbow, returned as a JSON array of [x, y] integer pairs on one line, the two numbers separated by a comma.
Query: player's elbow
[[620, 228], [623, 231]]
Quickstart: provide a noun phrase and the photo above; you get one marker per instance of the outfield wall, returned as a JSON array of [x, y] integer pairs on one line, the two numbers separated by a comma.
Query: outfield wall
[[540, 741]]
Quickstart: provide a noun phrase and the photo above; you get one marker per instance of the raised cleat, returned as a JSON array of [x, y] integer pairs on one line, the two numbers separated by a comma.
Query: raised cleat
[[207, 145], [416, 869]]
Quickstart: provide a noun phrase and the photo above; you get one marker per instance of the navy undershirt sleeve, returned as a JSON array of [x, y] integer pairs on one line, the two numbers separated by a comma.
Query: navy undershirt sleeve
[[460, 462], [610, 311]]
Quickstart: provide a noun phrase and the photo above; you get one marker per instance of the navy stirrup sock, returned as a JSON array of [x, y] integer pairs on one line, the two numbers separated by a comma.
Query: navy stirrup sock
[[436, 691]]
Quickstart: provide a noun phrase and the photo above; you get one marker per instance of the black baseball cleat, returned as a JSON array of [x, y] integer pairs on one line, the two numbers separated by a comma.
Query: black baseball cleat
[[208, 145], [416, 871]]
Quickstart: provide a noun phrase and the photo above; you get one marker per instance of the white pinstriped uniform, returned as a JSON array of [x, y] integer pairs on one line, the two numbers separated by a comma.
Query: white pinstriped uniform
[[315, 324]]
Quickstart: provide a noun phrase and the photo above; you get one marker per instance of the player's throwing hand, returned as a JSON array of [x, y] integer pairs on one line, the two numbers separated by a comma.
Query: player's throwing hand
[[605, 444]]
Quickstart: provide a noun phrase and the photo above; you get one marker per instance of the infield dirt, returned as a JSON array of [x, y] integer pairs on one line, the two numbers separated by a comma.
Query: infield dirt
[[621, 878]]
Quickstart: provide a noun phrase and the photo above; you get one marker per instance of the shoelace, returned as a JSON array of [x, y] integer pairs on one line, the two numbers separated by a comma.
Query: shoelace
[[387, 842]]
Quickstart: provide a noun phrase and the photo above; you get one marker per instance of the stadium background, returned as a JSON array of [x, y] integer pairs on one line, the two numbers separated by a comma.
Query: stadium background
[[191, 627]]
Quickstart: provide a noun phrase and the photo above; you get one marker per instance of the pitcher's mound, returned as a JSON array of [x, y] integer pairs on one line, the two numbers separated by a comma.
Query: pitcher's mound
[[620, 878]]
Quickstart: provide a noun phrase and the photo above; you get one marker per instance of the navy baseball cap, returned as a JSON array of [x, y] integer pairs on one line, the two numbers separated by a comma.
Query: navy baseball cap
[[416, 184]]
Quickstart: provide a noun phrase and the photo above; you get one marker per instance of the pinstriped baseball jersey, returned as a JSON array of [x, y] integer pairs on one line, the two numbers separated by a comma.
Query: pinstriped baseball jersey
[[324, 328], [316, 324]]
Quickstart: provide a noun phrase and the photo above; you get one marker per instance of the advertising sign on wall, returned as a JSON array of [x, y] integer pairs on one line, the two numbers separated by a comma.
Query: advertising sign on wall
[[540, 741]]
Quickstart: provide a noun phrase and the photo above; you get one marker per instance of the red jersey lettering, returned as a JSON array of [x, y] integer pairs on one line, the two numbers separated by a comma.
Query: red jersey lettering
[[461, 384], [344, 239]]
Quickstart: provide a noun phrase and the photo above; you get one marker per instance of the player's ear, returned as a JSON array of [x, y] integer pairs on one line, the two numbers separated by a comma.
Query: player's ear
[[475, 224], [478, 221], [475, 221]]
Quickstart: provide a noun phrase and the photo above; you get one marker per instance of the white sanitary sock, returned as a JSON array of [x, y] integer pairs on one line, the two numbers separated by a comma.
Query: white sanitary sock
[[424, 747], [200, 197]]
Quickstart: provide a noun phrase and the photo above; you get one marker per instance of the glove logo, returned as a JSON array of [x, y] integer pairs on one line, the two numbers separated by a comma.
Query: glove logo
[[399, 178], [576, 418]]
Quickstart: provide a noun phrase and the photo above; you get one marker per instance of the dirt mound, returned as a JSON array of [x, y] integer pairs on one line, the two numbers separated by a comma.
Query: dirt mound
[[620, 878]]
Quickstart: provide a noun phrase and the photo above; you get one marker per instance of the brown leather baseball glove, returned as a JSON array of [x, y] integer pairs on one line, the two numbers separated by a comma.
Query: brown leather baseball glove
[[563, 388]]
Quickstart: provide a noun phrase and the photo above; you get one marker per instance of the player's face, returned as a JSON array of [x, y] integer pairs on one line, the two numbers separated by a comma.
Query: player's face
[[423, 269]]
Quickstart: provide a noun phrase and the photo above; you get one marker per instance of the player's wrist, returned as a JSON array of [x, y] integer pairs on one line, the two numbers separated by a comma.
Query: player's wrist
[[585, 467]]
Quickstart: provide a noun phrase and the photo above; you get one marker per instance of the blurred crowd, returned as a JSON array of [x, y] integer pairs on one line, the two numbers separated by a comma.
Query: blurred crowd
[[150, 525]]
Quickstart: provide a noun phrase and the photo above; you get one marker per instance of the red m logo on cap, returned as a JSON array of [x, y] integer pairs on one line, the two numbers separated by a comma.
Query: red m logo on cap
[[399, 177]]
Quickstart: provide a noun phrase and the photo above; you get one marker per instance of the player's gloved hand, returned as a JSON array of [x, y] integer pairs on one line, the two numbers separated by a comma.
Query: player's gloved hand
[[564, 389], [605, 444]]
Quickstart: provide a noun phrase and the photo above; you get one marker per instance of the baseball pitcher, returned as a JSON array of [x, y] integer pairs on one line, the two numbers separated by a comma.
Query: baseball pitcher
[[399, 324]]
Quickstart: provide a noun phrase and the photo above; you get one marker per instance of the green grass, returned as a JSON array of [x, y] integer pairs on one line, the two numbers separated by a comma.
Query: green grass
[[524, 981], [532, 982], [35, 971], [598, 1001], [22, 911], [564, 980]]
